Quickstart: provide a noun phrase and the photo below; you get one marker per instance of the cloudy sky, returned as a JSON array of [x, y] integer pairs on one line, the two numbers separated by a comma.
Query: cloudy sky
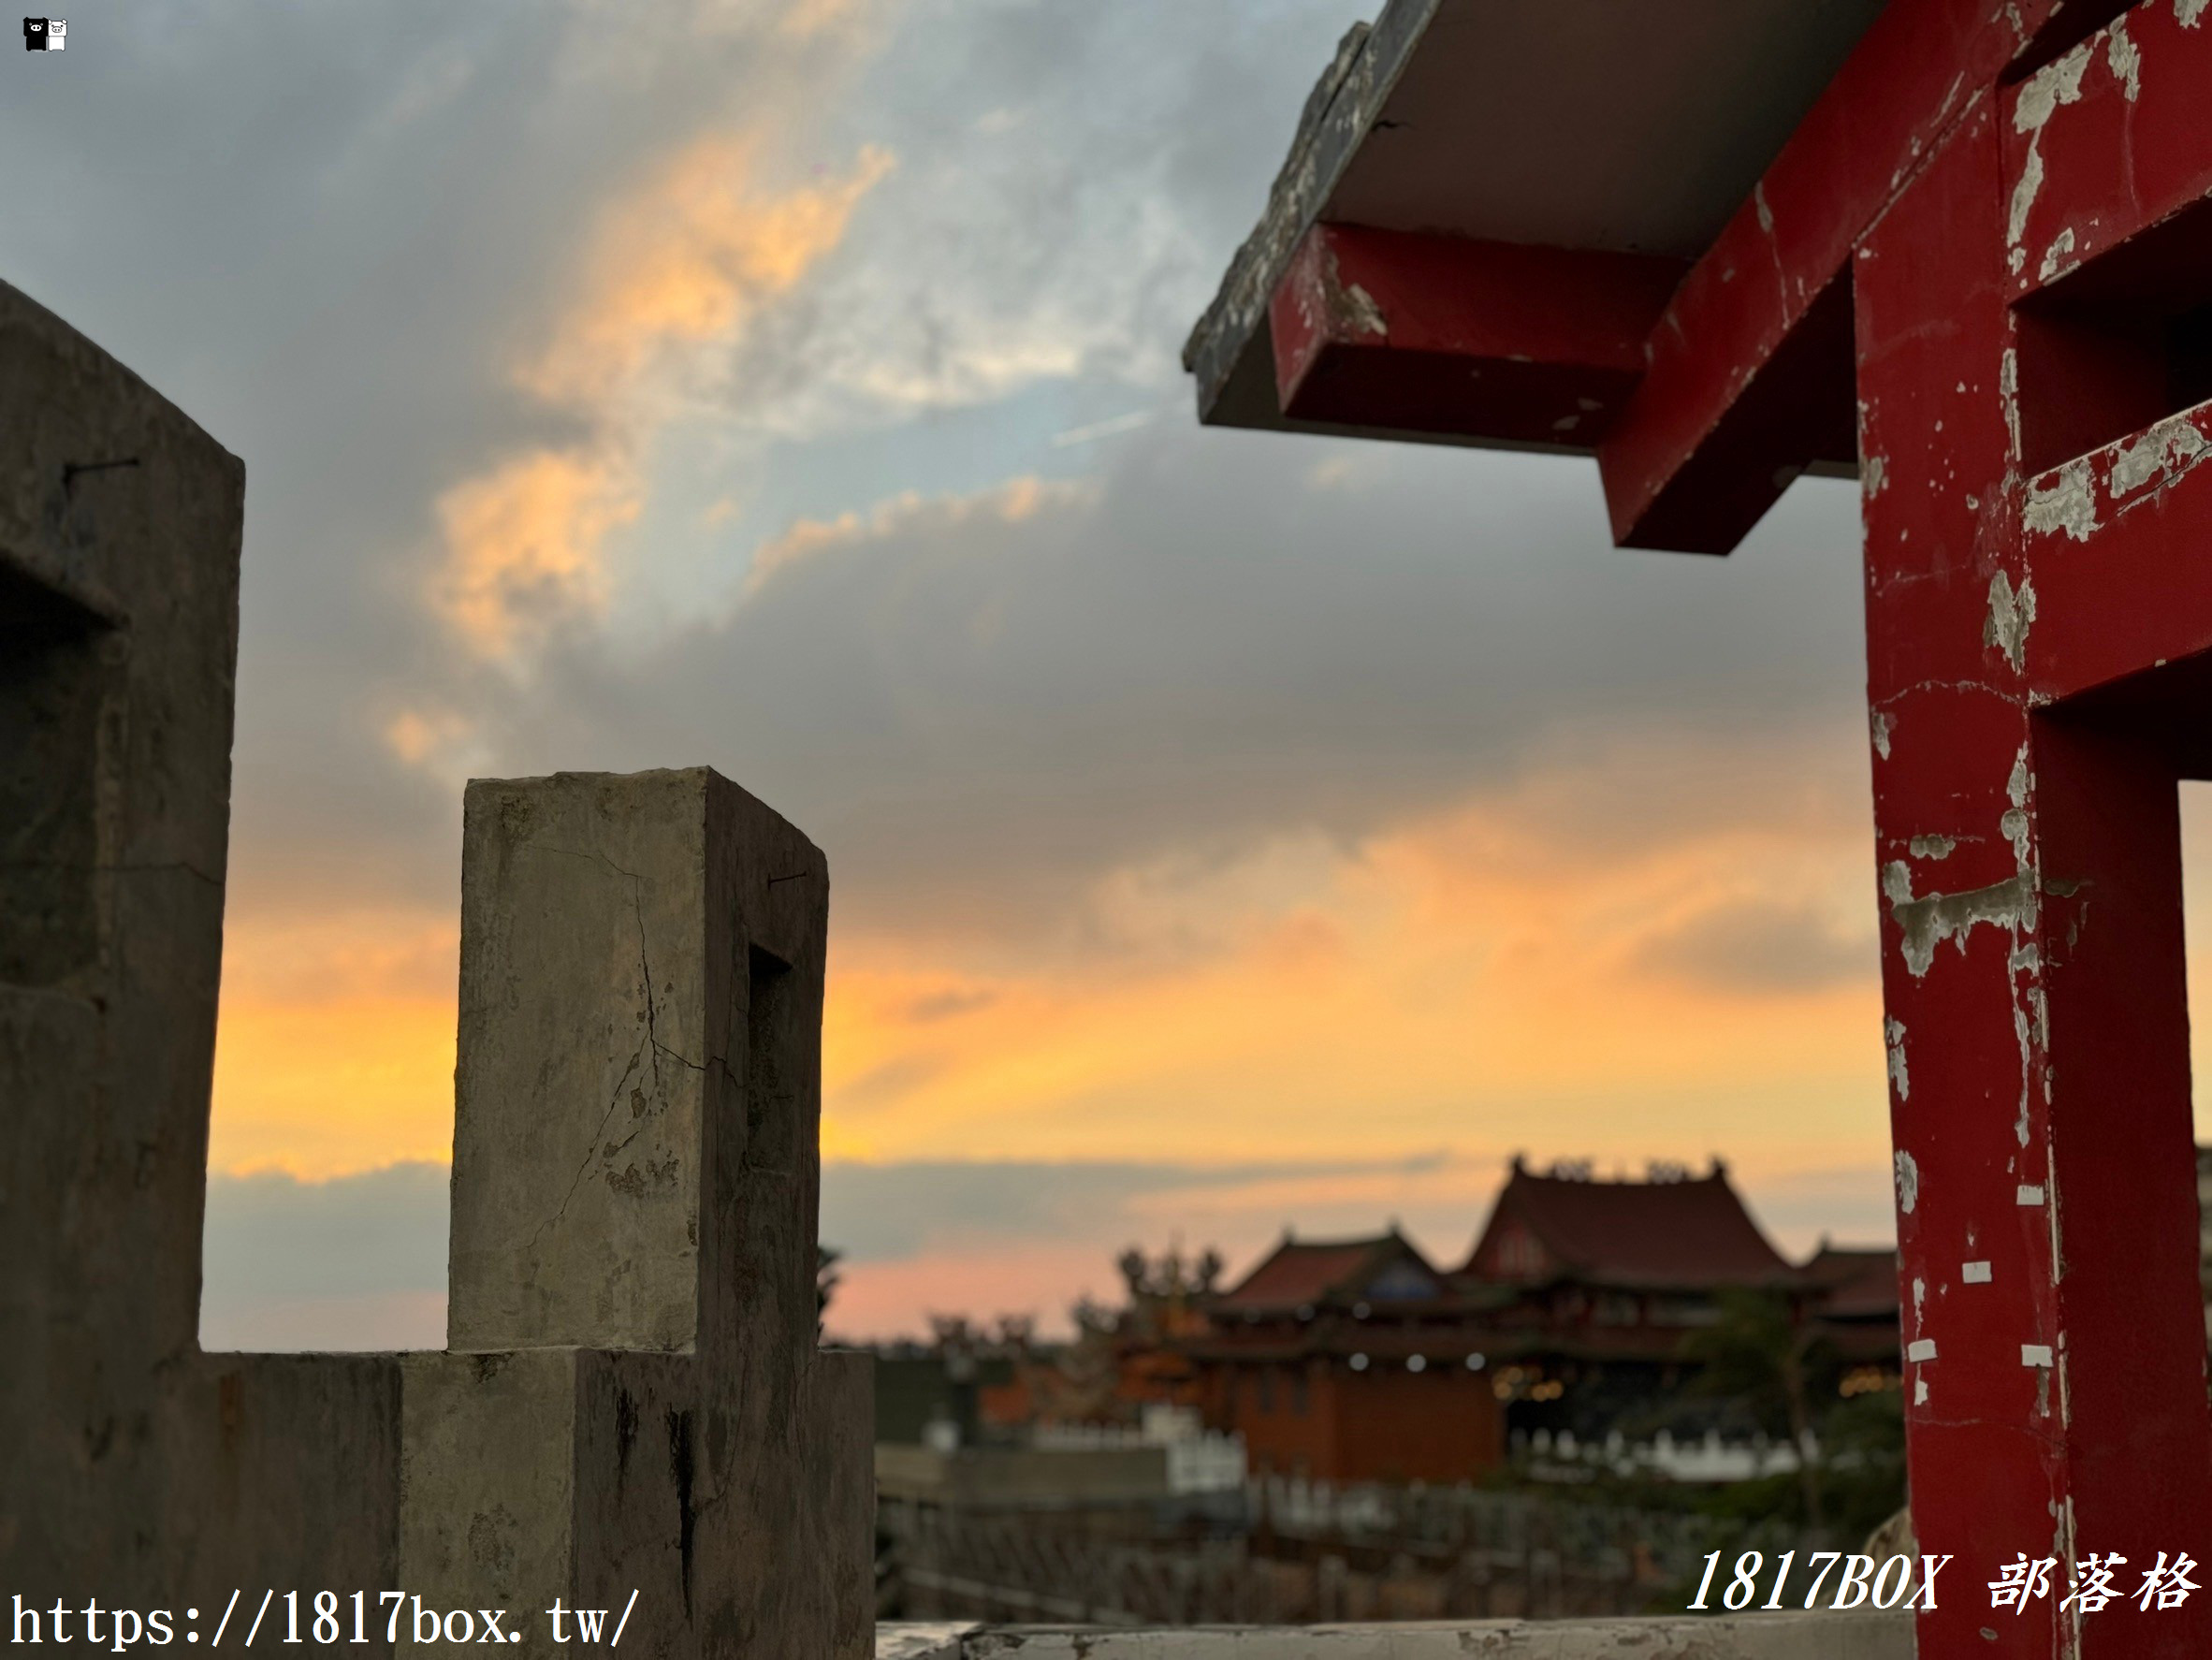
[[1228, 830]]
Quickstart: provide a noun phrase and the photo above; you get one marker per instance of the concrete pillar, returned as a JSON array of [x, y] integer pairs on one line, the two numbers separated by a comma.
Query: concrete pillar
[[636, 1170], [634, 1404]]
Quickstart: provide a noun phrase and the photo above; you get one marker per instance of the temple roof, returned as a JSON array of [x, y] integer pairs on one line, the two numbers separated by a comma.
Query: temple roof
[[1303, 1274], [1861, 1283], [1692, 1232]]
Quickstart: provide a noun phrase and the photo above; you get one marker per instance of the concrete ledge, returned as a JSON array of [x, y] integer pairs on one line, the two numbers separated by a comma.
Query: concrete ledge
[[1754, 1636], [944, 1641]]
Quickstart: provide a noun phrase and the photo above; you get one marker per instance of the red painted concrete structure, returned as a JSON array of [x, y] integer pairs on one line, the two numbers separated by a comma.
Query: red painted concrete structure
[[1978, 270]]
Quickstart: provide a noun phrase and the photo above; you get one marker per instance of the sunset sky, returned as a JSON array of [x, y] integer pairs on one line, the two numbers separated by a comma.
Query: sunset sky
[[1227, 830]]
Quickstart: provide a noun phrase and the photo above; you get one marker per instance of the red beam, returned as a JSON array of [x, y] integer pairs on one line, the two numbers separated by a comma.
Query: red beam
[[1693, 424], [2114, 553], [1452, 336], [2107, 141]]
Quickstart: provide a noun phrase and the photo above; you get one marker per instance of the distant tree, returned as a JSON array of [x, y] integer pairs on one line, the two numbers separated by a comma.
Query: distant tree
[[1862, 1444], [952, 1334], [825, 1283], [1136, 1273], [1208, 1274], [1763, 1354]]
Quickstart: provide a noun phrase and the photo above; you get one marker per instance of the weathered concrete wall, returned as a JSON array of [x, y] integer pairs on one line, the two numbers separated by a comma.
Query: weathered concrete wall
[[636, 1168], [133, 1468], [1754, 1636], [1018, 1475], [637, 1405]]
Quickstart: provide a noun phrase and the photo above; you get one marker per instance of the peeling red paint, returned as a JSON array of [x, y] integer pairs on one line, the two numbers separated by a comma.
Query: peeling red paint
[[2016, 270], [1448, 335], [2048, 1116], [2121, 152]]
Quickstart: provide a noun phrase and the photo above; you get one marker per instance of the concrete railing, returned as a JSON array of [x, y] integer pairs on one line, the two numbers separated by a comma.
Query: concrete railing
[[630, 1412]]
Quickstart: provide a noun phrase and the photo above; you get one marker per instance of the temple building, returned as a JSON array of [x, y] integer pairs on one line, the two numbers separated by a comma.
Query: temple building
[[1576, 1312]]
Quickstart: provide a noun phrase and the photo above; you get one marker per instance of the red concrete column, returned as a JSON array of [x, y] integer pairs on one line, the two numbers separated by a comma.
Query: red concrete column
[[2030, 876]]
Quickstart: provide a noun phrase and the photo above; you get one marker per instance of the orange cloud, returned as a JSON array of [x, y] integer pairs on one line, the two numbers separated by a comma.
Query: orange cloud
[[1473, 981], [1462, 981], [808, 18], [676, 273], [335, 1048], [524, 544], [688, 261], [1015, 501]]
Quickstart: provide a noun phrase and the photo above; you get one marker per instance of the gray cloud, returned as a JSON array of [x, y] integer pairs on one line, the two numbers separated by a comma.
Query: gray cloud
[[329, 234], [1765, 947], [274, 1236], [1850, 1205], [360, 1261], [357, 1263], [885, 1212], [973, 714]]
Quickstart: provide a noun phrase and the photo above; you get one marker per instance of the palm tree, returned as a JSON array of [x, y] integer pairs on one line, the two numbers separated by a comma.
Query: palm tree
[[1762, 1352]]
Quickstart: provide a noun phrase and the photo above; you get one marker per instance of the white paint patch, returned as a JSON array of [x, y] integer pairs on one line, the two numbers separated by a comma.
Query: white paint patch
[[2158, 454], [1932, 847], [2027, 1193], [1908, 1182], [1876, 475], [1929, 920], [2058, 257], [1897, 883], [2008, 394], [2011, 613], [2056, 83], [2035, 1354], [1974, 1274], [2125, 62], [2067, 502], [2012, 823], [1364, 312], [2023, 200], [1899, 1077], [1883, 726], [1921, 1349], [1920, 1297], [1759, 203], [2190, 12], [1919, 1392]]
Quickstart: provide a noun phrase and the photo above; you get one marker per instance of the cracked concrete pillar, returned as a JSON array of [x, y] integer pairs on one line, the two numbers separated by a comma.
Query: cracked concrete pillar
[[637, 1169]]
